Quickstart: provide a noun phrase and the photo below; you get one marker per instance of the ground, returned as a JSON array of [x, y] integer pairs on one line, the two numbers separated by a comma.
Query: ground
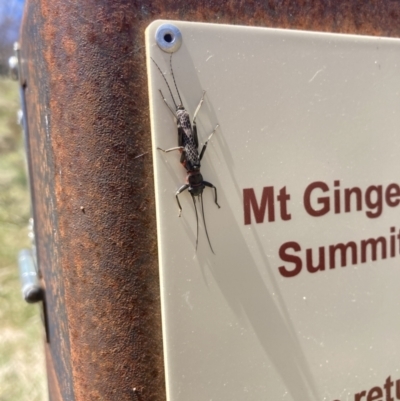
[[22, 370]]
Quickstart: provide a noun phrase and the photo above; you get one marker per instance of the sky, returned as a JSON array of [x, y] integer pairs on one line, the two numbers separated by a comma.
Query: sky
[[11, 9]]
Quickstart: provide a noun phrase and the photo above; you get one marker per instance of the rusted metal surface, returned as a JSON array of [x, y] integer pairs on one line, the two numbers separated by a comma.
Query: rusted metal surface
[[54, 387], [87, 106]]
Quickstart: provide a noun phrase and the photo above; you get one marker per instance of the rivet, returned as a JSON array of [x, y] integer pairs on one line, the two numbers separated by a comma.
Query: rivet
[[168, 38]]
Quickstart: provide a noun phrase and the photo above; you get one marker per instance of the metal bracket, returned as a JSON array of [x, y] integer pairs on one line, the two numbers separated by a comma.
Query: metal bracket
[[32, 291]]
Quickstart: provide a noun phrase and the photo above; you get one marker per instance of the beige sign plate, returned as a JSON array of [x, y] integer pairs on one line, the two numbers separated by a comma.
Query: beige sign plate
[[301, 299]]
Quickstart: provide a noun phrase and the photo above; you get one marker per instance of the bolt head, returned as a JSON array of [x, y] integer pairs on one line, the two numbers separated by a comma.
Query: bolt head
[[13, 65]]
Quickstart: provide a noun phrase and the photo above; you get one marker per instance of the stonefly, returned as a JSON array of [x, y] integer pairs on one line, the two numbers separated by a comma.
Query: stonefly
[[188, 145]]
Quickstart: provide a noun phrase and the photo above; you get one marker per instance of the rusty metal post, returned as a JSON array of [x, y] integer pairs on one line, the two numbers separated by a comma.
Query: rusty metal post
[[84, 76]]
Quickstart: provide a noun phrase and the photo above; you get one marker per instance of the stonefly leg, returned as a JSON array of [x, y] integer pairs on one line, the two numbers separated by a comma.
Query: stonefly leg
[[208, 184], [171, 149], [198, 108], [179, 191], [206, 142]]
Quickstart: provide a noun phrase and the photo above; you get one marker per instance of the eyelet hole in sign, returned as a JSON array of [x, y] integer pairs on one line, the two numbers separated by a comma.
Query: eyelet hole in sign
[[168, 38]]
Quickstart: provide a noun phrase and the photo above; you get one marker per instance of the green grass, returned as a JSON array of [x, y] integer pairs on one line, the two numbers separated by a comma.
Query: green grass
[[22, 370]]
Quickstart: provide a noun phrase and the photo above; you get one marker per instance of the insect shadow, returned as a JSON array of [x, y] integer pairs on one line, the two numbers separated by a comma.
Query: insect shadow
[[188, 145]]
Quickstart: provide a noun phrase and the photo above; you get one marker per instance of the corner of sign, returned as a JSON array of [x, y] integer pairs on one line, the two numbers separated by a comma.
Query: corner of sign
[[152, 27], [150, 32]]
